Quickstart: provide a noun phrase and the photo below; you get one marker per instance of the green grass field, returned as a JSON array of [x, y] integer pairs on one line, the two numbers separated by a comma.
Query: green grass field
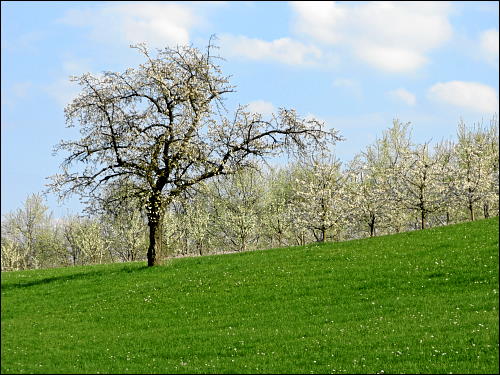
[[417, 302]]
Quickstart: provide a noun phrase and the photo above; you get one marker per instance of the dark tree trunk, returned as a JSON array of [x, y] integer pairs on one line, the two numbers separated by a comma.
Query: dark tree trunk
[[486, 210], [280, 233], [155, 219], [471, 212], [155, 241], [470, 205], [322, 235], [371, 224], [301, 239], [422, 219]]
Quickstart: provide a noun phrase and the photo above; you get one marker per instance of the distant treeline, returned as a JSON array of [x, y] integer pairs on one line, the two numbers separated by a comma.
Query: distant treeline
[[393, 185]]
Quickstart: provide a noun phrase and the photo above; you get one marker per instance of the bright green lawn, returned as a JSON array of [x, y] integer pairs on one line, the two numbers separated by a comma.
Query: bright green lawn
[[417, 302]]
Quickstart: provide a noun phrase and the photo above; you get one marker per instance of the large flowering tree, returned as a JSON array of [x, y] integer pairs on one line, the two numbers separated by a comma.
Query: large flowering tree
[[162, 128]]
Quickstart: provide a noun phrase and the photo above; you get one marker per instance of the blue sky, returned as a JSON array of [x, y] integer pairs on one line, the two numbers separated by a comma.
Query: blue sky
[[354, 65]]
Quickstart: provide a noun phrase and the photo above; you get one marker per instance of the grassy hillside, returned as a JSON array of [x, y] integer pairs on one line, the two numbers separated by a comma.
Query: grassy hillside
[[418, 302]]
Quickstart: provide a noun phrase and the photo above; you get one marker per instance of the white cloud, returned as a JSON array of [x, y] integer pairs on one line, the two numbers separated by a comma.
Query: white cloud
[[263, 107], [62, 89], [343, 82], [404, 95], [320, 19], [392, 36], [15, 93], [391, 59], [489, 41], [21, 89], [157, 23], [284, 50], [26, 42], [467, 95], [72, 66]]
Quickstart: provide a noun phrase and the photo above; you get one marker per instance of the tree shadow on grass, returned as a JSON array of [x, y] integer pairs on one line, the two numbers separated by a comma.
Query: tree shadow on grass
[[18, 284]]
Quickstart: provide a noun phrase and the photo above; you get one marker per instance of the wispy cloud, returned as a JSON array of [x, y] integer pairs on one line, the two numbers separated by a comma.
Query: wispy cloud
[[472, 96], [349, 85], [76, 66], [62, 89], [16, 92], [488, 42], [404, 96], [283, 50], [28, 41], [21, 89], [368, 30]]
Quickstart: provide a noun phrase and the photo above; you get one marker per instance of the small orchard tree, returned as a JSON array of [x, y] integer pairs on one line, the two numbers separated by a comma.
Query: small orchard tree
[[123, 222], [197, 217], [25, 230], [86, 244], [368, 187], [394, 145], [323, 204], [477, 170], [491, 201], [279, 216], [187, 221], [162, 128], [237, 202], [423, 190], [174, 229], [13, 255], [450, 207]]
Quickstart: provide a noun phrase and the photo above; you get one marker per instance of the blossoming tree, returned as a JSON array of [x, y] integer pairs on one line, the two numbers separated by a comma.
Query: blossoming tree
[[322, 207], [162, 128], [476, 174]]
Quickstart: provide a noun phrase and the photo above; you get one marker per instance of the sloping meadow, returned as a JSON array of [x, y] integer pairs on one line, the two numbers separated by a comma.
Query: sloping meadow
[[416, 302]]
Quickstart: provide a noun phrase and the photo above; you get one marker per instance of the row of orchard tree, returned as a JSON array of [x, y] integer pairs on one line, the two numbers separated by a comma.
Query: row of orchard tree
[[32, 238], [393, 185]]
